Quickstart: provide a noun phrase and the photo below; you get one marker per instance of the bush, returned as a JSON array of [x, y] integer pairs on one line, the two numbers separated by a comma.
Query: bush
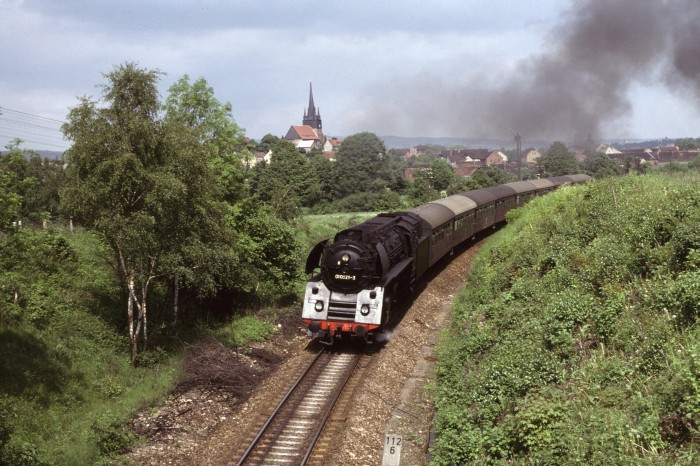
[[386, 201], [242, 330], [112, 437]]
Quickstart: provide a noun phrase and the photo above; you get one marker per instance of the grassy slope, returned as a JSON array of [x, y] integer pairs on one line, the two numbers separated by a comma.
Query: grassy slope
[[576, 340], [67, 384], [315, 228]]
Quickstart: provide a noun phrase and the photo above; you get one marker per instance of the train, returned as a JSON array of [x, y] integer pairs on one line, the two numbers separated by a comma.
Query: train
[[358, 277]]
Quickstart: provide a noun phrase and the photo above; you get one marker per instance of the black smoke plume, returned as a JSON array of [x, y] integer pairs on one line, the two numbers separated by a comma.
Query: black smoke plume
[[577, 87]]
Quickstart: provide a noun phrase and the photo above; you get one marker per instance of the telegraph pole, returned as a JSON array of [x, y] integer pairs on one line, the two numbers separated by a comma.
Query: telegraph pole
[[518, 147]]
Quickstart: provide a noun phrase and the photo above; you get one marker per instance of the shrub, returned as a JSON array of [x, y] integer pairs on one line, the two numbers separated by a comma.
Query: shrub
[[242, 330], [112, 437]]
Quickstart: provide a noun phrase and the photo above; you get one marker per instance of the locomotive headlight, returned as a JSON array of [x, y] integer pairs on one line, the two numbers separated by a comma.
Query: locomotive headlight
[[319, 305], [364, 310], [345, 257]]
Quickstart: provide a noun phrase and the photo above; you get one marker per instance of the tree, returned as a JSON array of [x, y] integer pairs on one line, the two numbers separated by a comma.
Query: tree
[[599, 165], [557, 161], [267, 143], [196, 107], [441, 174], [688, 143], [206, 257], [695, 163], [9, 200], [322, 172], [361, 165], [287, 183], [421, 190], [35, 181], [268, 249], [483, 178], [144, 183], [13, 185]]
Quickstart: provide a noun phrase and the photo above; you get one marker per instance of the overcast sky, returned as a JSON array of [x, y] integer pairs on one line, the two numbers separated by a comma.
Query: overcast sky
[[462, 68]]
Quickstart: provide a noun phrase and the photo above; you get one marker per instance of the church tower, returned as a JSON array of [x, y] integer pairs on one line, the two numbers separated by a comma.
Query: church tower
[[312, 115]]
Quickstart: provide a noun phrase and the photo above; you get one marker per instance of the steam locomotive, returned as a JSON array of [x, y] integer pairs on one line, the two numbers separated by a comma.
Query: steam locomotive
[[369, 267]]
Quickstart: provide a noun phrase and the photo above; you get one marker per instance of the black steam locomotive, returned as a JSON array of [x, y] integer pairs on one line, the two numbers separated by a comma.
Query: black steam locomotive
[[371, 265]]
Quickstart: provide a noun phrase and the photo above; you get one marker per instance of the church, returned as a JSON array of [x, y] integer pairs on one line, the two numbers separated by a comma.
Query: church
[[309, 135]]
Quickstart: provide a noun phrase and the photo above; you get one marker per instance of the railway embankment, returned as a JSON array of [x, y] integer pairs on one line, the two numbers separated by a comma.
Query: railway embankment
[[576, 338]]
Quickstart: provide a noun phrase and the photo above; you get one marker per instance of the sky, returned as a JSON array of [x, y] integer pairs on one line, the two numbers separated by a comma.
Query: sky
[[550, 69]]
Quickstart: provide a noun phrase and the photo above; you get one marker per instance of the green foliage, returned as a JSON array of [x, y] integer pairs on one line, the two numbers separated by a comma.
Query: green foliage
[[321, 190], [242, 330], [222, 141], [441, 174], [601, 166], [316, 228], [361, 165], [385, 201], [9, 201], [61, 353], [267, 143], [482, 178], [688, 143], [30, 262], [29, 186], [420, 190], [112, 437], [695, 163], [287, 183], [557, 161], [576, 341], [268, 251], [147, 183]]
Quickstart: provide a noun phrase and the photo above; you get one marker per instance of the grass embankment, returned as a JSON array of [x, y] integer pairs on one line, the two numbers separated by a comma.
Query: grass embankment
[[576, 340], [66, 385], [315, 228], [67, 390]]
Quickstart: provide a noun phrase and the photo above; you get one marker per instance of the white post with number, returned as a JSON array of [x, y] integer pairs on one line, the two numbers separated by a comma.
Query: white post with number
[[392, 450]]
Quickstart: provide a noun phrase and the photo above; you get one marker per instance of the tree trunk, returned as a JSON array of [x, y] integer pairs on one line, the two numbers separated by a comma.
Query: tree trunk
[[130, 314], [138, 327], [144, 318], [176, 298]]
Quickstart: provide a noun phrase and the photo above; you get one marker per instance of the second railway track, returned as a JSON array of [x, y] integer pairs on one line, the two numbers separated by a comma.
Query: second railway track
[[292, 429]]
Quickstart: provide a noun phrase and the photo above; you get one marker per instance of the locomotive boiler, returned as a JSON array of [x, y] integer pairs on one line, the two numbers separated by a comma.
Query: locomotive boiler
[[366, 268]]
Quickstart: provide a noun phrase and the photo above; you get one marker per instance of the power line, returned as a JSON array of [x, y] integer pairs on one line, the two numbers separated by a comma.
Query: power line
[[34, 129], [5, 109]]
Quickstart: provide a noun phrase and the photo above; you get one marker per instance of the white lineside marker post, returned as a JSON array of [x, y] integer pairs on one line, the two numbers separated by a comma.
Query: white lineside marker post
[[392, 450]]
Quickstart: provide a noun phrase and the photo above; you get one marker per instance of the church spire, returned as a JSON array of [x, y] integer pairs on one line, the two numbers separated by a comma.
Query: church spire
[[312, 108], [312, 115]]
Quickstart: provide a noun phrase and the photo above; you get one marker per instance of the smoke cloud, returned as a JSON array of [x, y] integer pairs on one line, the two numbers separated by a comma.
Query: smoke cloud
[[578, 87]]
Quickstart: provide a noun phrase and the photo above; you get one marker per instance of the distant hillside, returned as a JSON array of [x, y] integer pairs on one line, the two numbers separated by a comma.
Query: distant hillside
[[400, 142], [47, 154]]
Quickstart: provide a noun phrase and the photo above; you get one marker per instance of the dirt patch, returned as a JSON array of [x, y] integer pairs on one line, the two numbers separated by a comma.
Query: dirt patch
[[212, 364]]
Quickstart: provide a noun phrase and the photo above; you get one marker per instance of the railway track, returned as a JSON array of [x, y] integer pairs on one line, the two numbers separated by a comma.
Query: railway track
[[294, 427]]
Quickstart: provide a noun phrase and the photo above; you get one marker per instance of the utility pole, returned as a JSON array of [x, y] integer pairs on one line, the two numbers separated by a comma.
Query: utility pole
[[518, 147]]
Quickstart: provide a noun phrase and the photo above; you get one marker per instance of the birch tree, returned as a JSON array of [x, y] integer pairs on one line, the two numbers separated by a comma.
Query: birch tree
[[138, 180]]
